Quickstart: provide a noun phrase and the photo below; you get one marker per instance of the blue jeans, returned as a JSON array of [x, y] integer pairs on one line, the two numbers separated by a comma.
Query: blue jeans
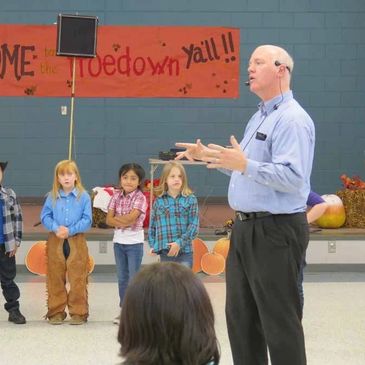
[[185, 259], [7, 275], [128, 259]]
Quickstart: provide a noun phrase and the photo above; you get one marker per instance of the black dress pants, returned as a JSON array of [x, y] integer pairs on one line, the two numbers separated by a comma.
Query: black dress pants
[[7, 275], [262, 305]]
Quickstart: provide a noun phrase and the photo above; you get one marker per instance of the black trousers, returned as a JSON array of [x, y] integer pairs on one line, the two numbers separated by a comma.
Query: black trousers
[[263, 309], [7, 275]]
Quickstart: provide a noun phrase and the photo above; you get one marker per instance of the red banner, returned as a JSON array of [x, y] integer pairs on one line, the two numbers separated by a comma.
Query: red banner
[[132, 61]]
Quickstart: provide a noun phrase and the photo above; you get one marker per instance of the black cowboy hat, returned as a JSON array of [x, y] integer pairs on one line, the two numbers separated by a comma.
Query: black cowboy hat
[[3, 165]]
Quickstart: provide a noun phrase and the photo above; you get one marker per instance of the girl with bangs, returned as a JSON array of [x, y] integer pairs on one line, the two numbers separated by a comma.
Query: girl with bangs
[[175, 218], [126, 213], [66, 214]]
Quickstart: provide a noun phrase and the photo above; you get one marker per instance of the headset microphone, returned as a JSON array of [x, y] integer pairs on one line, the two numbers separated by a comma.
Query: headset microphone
[[247, 83], [277, 64]]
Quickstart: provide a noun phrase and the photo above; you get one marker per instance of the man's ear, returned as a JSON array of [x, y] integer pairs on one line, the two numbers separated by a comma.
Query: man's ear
[[281, 71]]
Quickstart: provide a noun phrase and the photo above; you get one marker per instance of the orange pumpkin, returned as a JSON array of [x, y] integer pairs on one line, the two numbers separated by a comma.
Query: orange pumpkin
[[334, 216], [213, 263], [36, 259], [222, 247], [199, 249], [91, 264]]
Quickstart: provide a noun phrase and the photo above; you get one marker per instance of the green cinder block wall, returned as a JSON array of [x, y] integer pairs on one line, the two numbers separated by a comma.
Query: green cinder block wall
[[325, 37]]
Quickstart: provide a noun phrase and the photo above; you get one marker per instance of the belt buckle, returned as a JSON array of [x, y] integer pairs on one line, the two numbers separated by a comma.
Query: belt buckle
[[242, 216], [252, 215]]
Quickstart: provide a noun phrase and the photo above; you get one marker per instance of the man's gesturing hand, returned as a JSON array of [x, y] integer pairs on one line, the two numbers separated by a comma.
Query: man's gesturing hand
[[230, 158]]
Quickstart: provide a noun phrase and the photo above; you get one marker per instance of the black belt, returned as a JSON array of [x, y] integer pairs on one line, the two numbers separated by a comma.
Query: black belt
[[246, 216]]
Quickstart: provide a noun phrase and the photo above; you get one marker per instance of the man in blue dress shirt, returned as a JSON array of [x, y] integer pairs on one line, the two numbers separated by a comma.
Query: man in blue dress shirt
[[270, 182]]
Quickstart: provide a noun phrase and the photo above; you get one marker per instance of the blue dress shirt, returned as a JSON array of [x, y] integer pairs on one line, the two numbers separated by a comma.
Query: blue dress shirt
[[69, 211], [279, 146]]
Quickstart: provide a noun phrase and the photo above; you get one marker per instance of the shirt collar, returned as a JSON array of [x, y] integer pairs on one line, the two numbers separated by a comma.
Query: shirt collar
[[169, 196], [266, 107], [131, 194], [63, 194]]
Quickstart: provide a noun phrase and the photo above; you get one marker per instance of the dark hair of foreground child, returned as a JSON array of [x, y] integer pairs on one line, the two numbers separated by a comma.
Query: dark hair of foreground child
[[167, 319]]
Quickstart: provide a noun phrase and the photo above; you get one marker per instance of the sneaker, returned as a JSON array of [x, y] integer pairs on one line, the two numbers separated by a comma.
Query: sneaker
[[16, 317], [116, 320], [76, 319], [57, 318]]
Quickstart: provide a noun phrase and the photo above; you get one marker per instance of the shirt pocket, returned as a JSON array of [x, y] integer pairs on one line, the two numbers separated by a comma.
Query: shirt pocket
[[162, 211], [183, 210], [259, 150]]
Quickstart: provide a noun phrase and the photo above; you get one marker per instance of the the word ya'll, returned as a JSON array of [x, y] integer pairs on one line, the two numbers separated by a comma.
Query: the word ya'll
[[211, 50]]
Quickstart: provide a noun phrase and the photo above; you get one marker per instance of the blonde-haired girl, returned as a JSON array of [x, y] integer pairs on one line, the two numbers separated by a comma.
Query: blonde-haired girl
[[61, 168], [66, 214], [175, 218]]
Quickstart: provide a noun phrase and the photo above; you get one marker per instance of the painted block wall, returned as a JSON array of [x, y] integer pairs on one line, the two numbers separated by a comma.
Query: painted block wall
[[325, 37]]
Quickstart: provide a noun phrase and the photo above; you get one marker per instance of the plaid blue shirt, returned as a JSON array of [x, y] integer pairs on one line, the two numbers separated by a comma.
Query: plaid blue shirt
[[12, 219], [174, 220]]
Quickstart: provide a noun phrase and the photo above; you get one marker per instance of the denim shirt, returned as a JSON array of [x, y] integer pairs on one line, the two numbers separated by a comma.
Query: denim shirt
[[68, 210]]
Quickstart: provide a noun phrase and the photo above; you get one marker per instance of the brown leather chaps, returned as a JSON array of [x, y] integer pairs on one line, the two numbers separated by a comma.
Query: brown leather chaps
[[76, 268]]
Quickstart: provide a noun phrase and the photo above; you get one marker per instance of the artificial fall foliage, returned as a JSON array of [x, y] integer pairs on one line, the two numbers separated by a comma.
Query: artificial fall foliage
[[353, 198], [353, 184]]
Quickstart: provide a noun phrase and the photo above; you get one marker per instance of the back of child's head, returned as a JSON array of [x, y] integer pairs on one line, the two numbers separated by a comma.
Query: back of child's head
[[136, 168], [61, 168], [167, 318], [3, 166], [2, 169], [162, 187]]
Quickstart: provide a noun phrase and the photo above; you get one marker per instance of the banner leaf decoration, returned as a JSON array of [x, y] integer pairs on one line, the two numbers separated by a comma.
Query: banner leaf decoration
[[132, 61]]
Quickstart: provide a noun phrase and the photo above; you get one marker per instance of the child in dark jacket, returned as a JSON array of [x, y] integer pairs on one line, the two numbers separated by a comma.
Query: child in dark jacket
[[11, 231]]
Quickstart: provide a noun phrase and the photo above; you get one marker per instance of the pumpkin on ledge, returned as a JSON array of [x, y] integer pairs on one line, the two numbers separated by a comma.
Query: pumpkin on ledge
[[334, 216]]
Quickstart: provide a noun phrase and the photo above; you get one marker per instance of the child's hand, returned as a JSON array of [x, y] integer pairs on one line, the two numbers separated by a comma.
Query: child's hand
[[120, 225], [174, 249], [62, 232], [152, 253], [13, 252]]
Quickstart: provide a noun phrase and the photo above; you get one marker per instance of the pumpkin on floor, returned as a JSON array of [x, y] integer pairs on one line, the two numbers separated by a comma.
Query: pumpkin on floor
[[36, 259], [222, 247], [91, 264], [213, 263], [199, 249], [334, 216]]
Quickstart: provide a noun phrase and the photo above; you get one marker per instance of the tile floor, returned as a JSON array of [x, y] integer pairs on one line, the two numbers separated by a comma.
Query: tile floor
[[334, 323]]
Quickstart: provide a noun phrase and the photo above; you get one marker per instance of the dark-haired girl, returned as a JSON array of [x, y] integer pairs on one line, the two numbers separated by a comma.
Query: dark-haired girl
[[126, 212], [167, 319]]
